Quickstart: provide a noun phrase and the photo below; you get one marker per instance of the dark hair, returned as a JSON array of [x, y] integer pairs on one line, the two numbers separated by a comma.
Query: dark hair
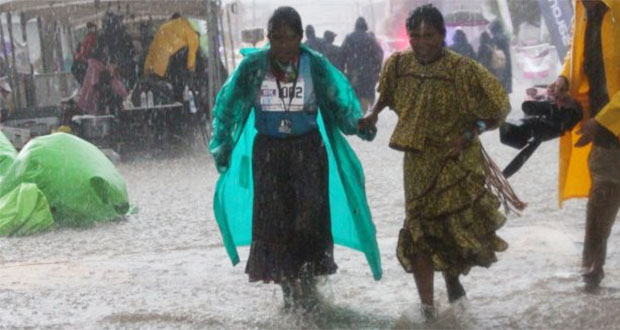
[[485, 38], [310, 33], [329, 36], [361, 25], [175, 16], [285, 16], [428, 14], [90, 25], [459, 37], [496, 27]]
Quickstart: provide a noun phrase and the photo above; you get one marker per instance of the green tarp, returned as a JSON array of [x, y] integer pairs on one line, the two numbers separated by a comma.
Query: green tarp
[[80, 183], [24, 211]]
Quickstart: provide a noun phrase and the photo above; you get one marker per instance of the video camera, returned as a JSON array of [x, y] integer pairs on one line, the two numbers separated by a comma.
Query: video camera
[[543, 121]]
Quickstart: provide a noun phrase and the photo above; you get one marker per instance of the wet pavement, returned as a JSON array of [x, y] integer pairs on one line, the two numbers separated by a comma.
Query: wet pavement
[[165, 267]]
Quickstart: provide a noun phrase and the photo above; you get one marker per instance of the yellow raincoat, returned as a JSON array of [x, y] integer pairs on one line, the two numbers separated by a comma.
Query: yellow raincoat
[[574, 175], [169, 39]]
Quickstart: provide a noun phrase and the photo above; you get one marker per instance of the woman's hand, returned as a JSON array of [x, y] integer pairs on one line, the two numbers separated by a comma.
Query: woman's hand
[[368, 122], [366, 126], [558, 91], [587, 131]]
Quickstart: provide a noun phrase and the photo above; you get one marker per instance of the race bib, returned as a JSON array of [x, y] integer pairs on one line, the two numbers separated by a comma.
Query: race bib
[[273, 100]]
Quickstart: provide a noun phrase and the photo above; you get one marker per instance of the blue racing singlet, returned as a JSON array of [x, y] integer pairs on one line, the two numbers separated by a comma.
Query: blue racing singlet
[[280, 115]]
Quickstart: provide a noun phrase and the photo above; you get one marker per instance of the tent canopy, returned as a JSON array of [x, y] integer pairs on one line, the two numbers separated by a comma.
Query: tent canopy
[[77, 12]]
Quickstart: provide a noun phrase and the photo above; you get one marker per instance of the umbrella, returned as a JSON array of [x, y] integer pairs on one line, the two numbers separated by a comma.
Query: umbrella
[[465, 18]]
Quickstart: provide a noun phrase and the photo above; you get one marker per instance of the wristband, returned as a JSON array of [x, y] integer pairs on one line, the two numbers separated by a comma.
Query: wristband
[[481, 126]]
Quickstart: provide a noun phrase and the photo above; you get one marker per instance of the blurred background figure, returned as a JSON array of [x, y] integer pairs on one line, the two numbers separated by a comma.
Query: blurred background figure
[[362, 62], [100, 79], [502, 43], [312, 41], [485, 50], [84, 50], [172, 54], [118, 47], [461, 45], [333, 52]]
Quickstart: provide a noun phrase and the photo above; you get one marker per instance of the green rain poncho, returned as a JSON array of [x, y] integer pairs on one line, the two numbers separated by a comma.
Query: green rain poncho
[[233, 138]]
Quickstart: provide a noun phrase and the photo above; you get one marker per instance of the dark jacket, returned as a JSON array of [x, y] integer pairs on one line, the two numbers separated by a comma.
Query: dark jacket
[[334, 55], [362, 58], [500, 41], [462, 46]]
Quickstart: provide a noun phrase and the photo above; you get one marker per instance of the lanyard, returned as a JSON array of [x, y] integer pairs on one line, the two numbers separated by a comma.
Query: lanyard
[[292, 93]]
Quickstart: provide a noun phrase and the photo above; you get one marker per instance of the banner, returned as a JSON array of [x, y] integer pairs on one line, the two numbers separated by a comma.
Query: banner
[[558, 15]]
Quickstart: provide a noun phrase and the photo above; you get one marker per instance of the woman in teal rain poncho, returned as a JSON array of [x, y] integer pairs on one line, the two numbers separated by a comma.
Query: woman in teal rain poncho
[[290, 185]]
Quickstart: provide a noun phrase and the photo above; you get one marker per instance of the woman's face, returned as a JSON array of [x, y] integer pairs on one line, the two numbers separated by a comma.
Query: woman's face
[[426, 42], [284, 43]]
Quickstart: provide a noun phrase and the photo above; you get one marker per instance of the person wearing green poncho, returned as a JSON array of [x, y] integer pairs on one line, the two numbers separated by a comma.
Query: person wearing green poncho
[[290, 185]]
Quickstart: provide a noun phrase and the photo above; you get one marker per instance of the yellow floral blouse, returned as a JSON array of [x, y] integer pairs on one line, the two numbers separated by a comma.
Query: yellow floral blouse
[[438, 101]]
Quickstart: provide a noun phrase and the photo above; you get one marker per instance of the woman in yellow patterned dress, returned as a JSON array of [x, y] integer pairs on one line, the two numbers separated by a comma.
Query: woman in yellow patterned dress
[[443, 101]]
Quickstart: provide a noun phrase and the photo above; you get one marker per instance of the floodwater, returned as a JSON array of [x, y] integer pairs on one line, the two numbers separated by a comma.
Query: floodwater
[[165, 267]]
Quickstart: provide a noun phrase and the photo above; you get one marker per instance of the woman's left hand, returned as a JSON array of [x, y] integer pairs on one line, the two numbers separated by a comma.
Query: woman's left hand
[[366, 127]]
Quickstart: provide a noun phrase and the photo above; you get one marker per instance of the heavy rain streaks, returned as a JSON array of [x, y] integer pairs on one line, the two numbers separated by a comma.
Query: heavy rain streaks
[[165, 266]]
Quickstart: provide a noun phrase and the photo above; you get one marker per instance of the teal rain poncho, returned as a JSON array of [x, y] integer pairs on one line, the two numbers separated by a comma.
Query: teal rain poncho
[[232, 142]]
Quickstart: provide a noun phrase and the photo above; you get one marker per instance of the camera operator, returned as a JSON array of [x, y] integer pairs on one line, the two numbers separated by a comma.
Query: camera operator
[[591, 76]]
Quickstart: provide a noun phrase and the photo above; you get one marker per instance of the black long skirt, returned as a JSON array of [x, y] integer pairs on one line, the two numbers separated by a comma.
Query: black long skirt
[[291, 226]]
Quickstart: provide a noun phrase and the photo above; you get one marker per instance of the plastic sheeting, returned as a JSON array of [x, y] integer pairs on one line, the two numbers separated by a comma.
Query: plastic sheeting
[[24, 211], [79, 182]]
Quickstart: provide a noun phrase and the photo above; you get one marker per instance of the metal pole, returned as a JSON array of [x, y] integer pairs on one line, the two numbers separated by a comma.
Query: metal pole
[[4, 50], [60, 59], [212, 51], [43, 36], [6, 59], [230, 37], [29, 88], [220, 21], [58, 47], [73, 39], [17, 87], [70, 38]]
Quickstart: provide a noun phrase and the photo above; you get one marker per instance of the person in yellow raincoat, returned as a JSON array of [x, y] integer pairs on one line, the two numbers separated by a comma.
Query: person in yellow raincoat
[[590, 154], [171, 37]]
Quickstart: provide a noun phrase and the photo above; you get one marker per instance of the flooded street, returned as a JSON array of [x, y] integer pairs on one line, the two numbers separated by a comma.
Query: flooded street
[[165, 266]]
